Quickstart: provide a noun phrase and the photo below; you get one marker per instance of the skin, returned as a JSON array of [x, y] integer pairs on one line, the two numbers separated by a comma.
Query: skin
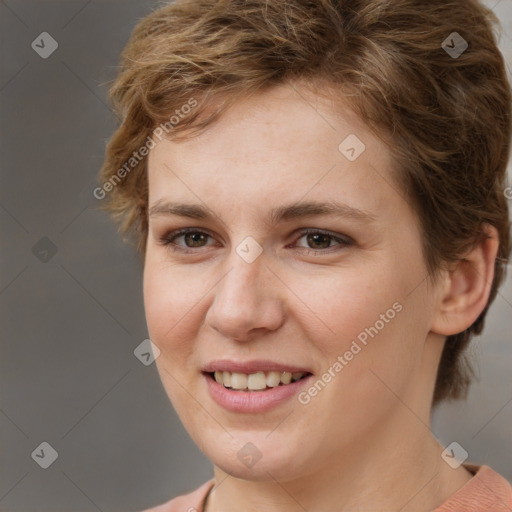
[[364, 441]]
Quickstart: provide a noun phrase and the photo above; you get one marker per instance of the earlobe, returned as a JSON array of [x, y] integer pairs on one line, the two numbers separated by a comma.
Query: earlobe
[[467, 287]]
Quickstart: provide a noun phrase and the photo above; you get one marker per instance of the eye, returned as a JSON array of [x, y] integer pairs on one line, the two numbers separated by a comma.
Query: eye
[[192, 238], [318, 241]]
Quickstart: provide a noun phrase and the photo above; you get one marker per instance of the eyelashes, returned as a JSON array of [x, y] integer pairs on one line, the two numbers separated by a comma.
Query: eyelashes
[[313, 236]]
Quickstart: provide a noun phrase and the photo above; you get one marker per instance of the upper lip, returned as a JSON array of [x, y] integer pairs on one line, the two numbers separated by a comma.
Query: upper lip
[[248, 367]]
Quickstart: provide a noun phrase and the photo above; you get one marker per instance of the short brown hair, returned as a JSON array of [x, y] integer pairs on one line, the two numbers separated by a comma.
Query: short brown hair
[[448, 116]]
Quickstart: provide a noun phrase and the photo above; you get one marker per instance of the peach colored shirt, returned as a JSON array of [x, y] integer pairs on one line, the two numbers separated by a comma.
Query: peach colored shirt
[[487, 491]]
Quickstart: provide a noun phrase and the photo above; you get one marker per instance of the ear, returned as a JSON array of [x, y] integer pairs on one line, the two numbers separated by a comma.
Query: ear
[[465, 288]]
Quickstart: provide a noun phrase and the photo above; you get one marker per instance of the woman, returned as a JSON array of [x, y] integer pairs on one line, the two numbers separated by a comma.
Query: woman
[[317, 189]]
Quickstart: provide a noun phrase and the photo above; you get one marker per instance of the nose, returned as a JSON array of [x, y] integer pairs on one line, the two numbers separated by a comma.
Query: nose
[[247, 301]]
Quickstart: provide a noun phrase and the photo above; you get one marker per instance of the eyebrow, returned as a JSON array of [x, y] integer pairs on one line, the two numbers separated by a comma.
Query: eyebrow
[[276, 215]]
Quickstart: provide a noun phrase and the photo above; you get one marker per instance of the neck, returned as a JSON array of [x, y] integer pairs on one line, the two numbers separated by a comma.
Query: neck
[[400, 469]]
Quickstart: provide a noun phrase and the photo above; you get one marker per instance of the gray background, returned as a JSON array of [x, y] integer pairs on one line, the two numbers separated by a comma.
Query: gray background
[[69, 325]]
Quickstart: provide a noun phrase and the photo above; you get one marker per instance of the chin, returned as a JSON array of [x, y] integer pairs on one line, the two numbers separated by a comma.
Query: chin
[[252, 455]]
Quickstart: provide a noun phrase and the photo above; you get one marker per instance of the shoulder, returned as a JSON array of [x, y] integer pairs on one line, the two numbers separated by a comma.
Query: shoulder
[[486, 491], [191, 502]]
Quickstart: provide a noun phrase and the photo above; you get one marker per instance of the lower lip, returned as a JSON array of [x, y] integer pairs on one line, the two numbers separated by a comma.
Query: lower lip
[[252, 401]]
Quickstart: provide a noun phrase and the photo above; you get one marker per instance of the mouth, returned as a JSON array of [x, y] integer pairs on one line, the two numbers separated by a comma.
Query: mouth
[[256, 382], [253, 387]]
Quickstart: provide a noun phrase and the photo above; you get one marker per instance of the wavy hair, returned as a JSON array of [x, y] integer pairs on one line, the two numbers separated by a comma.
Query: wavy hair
[[448, 116]]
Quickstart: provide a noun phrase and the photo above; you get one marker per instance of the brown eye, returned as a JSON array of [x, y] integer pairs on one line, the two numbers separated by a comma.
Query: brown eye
[[319, 240], [192, 239]]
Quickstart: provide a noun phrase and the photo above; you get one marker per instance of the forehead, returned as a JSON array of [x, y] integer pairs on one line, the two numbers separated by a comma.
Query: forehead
[[287, 141]]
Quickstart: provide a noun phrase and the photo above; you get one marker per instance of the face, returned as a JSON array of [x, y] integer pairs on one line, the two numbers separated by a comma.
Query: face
[[301, 257]]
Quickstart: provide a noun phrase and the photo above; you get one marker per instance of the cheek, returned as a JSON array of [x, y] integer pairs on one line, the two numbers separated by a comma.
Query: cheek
[[172, 301], [381, 354], [342, 303], [172, 319], [371, 319]]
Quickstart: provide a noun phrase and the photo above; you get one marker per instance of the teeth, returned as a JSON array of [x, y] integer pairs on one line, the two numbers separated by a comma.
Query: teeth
[[256, 381], [238, 381], [286, 377], [273, 379]]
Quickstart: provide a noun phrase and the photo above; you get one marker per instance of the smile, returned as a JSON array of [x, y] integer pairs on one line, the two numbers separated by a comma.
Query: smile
[[258, 381]]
